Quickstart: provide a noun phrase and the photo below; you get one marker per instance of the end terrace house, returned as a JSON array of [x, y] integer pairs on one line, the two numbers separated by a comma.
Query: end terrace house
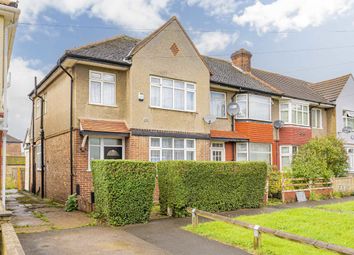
[[152, 99]]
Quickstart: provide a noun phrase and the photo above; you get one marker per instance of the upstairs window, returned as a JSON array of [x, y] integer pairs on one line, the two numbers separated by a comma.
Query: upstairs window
[[316, 118], [254, 107], [172, 94], [348, 119], [102, 88], [218, 104], [294, 113]]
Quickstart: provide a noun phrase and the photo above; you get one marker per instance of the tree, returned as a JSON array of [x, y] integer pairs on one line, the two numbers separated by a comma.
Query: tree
[[320, 157]]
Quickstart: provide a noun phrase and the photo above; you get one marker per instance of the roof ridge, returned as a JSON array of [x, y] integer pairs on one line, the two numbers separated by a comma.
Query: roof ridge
[[91, 44]]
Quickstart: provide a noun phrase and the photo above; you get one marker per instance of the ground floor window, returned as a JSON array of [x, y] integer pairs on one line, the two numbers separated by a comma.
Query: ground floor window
[[350, 152], [254, 152], [217, 151], [105, 148], [287, 152], [167, 148]]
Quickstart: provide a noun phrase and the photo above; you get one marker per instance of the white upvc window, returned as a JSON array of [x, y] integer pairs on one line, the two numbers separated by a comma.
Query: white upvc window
[[105, 148], [217, 151], [254, 152], [38, 150], [287, 152], [218, 104], [348, 119], [172, 94], [350, 152], [294, 112], [102, 89], [316, 118], [167, 148], [254, 107]]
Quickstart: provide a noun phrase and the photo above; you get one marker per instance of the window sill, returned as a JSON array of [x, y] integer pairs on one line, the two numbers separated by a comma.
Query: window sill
[[104, 105], [296, 125], [175, 110], [254, 120], [317, 128]]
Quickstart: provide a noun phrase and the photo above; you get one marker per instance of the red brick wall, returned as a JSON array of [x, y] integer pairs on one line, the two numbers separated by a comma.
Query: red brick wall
[[13, 149], [290, 196], [257, 132], [294, 135]]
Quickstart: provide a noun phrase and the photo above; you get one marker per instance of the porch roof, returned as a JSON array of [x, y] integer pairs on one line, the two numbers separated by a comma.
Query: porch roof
[[221, 135], [92, 126]]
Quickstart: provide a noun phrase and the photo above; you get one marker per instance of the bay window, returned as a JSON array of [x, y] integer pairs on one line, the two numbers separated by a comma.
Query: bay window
[[287, 152], [316, 118], [254, 152], [218, 104], [294, 113], [105, 148], [166, 148], [218, 151], [172, 94], [254, 107], [102, 88]]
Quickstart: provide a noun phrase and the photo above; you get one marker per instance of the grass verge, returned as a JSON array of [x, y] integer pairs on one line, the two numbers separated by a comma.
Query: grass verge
[[343, 207]]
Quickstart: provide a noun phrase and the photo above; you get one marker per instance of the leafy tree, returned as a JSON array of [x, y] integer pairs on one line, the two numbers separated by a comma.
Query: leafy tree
[[321, 157]]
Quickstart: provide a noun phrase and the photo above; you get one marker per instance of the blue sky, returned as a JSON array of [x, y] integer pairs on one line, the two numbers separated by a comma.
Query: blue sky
[[308, 39]]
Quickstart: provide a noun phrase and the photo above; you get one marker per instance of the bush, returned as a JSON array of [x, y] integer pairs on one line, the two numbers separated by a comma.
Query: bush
[[275, 181], [210, 186], [320, 158], [71, 203], [123, 190]]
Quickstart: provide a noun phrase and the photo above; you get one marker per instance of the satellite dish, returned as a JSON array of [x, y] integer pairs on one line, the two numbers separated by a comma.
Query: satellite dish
[[278, 124], [347, 130], [233, 109], [209, 119]]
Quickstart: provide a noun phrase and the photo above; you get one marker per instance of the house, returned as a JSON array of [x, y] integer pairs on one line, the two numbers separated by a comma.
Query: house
[[9, 14], [26, 149], [15, 161], [340, 91], [151, 99]]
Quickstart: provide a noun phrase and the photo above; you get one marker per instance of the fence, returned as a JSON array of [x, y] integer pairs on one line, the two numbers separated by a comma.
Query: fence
[[292, 185], [257, 230]]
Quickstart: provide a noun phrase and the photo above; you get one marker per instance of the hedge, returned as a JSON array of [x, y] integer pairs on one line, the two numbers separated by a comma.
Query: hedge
[[123, 190], [210, 186]]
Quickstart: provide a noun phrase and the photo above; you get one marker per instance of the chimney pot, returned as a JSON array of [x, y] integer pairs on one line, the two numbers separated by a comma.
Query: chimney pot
[[242, 59]]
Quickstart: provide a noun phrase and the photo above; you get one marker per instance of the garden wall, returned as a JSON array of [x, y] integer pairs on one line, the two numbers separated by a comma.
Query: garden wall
[[343, 184]]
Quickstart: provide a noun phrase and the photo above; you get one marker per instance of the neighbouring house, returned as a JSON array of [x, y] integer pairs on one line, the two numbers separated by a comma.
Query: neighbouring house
[[340, 91], [9, 14], [26, 150], [151, 99], [15, 162]]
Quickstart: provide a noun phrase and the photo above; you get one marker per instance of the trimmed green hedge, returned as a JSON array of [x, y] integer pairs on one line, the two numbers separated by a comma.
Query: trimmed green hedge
[[123, 190], [210, 186]]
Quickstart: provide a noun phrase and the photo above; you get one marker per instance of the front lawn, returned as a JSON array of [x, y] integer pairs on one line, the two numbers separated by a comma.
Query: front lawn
[[329, 226], [343, 207]]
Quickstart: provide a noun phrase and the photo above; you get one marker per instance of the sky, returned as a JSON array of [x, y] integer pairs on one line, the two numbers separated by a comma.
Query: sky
[[308, 39]]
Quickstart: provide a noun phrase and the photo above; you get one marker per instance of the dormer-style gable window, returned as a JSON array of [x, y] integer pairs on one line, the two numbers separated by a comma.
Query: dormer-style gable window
[[295, 112], [254, 107]]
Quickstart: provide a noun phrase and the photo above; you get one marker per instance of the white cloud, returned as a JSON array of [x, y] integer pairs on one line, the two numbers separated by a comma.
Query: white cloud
[[247, 43], [215, 7], [129, 14], [214, 41], [19, 106], [286, 15]]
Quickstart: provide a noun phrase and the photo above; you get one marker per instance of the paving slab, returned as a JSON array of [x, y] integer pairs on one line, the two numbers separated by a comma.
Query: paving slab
[[88, 241]]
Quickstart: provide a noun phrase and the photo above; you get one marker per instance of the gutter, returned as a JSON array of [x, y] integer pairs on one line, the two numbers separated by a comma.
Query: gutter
[[71, 127], [32, 146]]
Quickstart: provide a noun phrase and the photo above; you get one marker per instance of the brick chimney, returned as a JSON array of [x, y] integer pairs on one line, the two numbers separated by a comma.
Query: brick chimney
[[242, 59]]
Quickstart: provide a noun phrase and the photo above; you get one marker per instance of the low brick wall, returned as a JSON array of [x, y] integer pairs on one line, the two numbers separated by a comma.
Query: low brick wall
[[290, 196], [343, 184], [9, 241]]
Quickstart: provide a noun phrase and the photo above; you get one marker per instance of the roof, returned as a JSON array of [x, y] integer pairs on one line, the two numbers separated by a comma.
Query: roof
[[115, 49], [103, 126], [11, 139], [227, 135], [330, 89], [290, 86], [223, 72]]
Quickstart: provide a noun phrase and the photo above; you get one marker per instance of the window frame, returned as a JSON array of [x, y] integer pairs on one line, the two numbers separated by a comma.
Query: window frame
[[291, 105], [38, 151], [185, 90], [101, 81], [316, 111], [346, 119], [217, 149], [290, 154], [248, 111], [211, 102], [185, 148], [350, 159], [101, 146], [248, 144]]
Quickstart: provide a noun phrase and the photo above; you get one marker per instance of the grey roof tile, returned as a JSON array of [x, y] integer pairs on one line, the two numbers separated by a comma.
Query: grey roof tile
[[330, 89]]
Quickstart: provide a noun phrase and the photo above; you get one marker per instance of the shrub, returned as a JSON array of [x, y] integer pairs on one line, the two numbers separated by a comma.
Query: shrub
[[320, 158], [210, 186], [123, 190], [71, 203], [275, 181]]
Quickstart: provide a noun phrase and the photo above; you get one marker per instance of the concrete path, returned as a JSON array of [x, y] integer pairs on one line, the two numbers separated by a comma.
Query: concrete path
[[88, 241]]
